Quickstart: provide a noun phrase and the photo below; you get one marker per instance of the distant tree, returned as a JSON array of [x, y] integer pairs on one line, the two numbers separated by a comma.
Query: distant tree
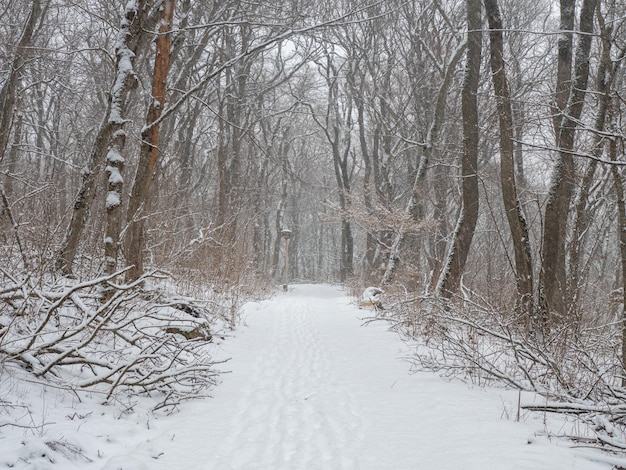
[[336, 124], [23, 50], [9, 100]]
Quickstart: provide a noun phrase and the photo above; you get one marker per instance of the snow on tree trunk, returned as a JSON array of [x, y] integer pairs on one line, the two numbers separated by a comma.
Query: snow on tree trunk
[[149, 151], [134, 28], [125, 79], [582, 219]]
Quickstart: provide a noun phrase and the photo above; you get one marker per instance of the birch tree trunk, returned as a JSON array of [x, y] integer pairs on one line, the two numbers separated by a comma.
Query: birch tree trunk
[[450, 278], [149, 151]]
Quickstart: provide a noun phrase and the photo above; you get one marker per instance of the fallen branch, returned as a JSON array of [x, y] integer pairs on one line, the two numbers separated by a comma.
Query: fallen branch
[[127, 344]]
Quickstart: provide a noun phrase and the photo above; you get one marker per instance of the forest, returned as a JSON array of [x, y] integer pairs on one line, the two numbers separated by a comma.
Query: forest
[[465, 157]]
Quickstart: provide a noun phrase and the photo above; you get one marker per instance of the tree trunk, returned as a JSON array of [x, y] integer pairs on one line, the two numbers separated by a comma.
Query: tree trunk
[[346, 268], [11, 164], [368, 187], [280, 215], [512, 206], [8, 93], [582, 219], [125, 80], [149, 151], [337, 127], [135, 27], [431, 141], [229, 155], [553, 271], [618, 185], [450, 278]]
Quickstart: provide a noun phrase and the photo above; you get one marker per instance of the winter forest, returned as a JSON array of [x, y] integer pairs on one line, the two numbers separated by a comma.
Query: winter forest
[[164, 161]]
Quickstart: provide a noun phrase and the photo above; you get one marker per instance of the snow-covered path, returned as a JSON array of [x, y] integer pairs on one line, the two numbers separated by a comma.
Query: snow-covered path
[[311, 388]]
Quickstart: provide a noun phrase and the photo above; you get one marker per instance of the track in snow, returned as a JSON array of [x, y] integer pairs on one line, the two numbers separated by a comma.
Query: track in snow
[[292, 412], [311, 388]]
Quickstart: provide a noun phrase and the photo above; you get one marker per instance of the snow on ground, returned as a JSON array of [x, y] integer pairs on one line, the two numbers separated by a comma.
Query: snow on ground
[[308, 387], [311, 388]]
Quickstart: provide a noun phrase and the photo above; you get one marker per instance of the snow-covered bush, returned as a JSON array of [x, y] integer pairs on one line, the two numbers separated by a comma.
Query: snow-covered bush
[[578, 374], [127, 342]]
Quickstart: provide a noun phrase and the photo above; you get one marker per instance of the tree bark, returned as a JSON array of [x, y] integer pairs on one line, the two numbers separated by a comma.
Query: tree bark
[[135, 27], [621, 226], [555, 304], [8, 93], [582, 219], [450, 278], [512, 206], [431, 141], [149, 151]]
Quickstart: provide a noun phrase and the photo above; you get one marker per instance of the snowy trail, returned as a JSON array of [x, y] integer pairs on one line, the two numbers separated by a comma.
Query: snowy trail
[[311, 388]]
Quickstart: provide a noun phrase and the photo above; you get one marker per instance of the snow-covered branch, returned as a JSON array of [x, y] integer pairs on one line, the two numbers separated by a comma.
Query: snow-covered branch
[[119, 345]]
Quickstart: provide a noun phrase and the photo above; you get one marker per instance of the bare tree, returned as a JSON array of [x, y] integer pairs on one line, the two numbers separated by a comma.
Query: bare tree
[[149, 151], [136, 24], [125, 80], [569, 100], [512, 205], [23, 50], [452, 270], [336, 124], [609, 106]]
